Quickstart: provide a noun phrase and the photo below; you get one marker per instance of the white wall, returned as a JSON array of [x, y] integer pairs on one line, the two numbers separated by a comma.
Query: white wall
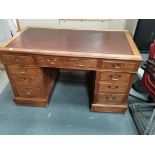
[[47, 23], [6, 28], [131, 25], [116, 24], [4, 31]]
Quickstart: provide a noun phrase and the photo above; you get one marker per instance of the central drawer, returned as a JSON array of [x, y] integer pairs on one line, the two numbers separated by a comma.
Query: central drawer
[[63, 62], [114, 87]]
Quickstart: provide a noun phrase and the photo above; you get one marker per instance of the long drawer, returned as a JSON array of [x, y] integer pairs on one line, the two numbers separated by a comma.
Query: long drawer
[[119, 65], [17, 59], [19, 70], [67, 62], [114, 76], [113, 87], [108, 98]]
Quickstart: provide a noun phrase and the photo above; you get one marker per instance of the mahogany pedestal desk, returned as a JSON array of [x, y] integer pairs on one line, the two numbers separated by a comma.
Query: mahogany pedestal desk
[[34, 56]]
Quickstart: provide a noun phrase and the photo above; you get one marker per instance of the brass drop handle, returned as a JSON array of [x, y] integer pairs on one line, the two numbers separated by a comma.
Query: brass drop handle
[[113, 86], [80, 65], [29, 92], [52, 62], [117, 66], [111, 98], [21, 70], [27, 80], [16, 59], [115, 77]]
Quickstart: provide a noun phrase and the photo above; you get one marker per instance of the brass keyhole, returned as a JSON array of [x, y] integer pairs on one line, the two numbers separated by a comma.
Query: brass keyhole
[[115, 77]]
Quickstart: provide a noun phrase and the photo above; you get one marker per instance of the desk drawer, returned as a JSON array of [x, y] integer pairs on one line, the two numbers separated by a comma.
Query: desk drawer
[[110, 98], [67, 62], [119, 65], [114, 76], [113, 87], [29, 92], [22, 81], [18, 70], [17, 59]]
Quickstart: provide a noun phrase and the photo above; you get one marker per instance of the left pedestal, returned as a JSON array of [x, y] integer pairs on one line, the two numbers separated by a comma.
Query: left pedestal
[[31, 85]]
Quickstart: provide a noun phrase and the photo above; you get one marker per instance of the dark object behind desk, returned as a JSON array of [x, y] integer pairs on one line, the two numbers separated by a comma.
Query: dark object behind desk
[[144, 34], [144, 113]]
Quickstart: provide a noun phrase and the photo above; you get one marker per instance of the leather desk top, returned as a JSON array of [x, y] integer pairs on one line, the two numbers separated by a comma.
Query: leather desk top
[[80, 43], [73, 40]]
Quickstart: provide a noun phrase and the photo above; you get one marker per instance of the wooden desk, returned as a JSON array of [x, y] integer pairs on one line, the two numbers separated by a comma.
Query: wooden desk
[[34, 56]]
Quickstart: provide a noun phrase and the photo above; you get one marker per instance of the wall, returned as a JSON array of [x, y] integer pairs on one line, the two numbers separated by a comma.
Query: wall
[[6, 28], [4, 31], [131, 25], [116, 24]]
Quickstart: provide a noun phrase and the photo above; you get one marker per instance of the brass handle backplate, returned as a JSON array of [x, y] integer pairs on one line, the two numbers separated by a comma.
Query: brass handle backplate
[[113, 86], [115, 77], [51, 61], [110, 98], [21, 70], [26, 80], [118, 66], [27, 92], [17, 59]]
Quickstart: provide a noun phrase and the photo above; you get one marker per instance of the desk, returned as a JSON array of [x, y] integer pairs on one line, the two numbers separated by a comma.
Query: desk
[[33, 58]]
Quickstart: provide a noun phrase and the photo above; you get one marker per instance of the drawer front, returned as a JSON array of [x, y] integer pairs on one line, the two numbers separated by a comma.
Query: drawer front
[[110, 98], [67, 62], [114, 76], [119, 65], [25, 81], [18, 70], [113, 87], [15, 59], [29, 91]]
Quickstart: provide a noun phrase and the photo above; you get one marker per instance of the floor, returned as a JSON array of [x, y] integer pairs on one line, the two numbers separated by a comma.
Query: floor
[[3, 80], [68, 113]]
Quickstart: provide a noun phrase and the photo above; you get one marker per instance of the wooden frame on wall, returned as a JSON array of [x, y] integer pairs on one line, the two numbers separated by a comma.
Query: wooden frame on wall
[[17, 24], [84, 20]]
